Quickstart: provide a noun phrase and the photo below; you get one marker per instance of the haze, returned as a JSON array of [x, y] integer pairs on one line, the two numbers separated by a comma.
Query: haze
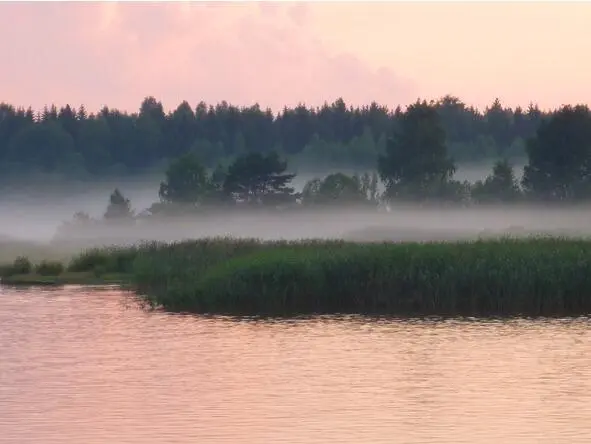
[[280, 55], [38, 221], [35, 212]]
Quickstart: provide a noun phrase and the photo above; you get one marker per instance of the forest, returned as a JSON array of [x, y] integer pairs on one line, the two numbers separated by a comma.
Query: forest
[[415, 166], [73, 143]]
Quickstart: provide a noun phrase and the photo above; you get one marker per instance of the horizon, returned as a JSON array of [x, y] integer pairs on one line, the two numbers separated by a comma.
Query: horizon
[[116, 54], [276, 113]]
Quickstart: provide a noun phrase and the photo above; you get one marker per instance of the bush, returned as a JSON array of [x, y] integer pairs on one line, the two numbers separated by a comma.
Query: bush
[[21, 265], [105, 260], [49, 268]]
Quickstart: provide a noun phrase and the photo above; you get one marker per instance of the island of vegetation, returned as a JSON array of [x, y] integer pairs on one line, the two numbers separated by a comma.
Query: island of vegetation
[[411, 161], [247, 277]]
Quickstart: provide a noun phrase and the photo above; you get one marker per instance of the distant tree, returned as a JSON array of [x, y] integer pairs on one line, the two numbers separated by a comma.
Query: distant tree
[[500, 186], [361, 150], [258, 178], [499, 126], [559, 166], [207, 151], [81, 217], [459, 122], [180, 129], [218, 176], [68, 120], [82, 114], [311, 190], [186, 182], [337, 188], [80, 224], [44, 145], [94, 140], [119, 207], [369, 186], [455, 191], [416, 165], [335, 135]]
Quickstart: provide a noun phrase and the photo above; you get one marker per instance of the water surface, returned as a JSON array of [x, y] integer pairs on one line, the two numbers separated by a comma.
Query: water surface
[[87, 366]]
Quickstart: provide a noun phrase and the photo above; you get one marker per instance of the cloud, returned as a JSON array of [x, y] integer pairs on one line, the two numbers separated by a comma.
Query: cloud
[[116, 54]]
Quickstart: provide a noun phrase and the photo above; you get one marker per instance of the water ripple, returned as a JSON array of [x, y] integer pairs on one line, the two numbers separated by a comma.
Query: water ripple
[[84, 365]]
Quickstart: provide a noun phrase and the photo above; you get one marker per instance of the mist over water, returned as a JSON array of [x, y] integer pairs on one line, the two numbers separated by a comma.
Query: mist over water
[[85, 365]]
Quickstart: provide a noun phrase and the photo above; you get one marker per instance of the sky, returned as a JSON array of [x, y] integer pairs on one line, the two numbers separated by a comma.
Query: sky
[[281, 54]]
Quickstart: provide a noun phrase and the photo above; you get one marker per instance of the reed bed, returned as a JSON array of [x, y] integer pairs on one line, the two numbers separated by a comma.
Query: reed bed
[[542, 276], [166, 273], [106, 260], [527, 277]]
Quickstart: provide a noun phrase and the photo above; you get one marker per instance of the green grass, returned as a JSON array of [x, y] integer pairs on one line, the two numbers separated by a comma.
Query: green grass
[[91, 267], [503, 277], [105, 260], [536, 277], [166, 273], [539, 276]]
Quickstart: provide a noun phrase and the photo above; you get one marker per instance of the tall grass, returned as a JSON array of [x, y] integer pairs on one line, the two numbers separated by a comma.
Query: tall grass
[[105, 260], [542, 276], [166, 273], [503, 277]]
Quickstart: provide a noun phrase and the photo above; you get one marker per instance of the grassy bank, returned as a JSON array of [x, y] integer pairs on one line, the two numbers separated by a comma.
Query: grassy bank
[[542, 276], [532, 277], [93, 267]]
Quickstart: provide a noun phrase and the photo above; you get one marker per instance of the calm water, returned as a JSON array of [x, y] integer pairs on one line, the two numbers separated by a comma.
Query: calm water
[[83, 366]]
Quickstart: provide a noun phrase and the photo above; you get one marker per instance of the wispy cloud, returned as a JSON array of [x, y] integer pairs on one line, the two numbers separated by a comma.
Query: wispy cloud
[[115, 54]]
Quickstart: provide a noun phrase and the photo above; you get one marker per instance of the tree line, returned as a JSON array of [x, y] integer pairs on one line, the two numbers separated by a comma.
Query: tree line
[[72, 142], [416, 167]]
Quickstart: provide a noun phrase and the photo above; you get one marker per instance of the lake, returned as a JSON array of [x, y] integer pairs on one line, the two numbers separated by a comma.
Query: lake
[[83, 365]]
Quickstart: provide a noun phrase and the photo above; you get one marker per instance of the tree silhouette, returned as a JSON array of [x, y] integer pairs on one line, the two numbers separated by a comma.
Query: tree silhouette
[[559, 166], [186, 182], [258, 178], [332, 135], [416, 164], [119, 207], [500, 186]]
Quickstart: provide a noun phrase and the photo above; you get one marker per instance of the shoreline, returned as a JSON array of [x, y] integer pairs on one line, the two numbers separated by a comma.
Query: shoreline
[[80, 278], [508, 277]]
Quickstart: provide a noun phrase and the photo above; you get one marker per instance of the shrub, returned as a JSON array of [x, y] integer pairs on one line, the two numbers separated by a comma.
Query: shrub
[[49, 268], [21, 265], [109, 260]]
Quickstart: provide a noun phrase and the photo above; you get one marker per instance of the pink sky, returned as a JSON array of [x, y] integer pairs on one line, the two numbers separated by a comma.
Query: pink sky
[[280, 54]]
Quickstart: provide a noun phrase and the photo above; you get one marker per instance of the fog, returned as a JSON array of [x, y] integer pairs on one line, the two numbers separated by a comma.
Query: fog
[[35, 214], [401, 224]]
